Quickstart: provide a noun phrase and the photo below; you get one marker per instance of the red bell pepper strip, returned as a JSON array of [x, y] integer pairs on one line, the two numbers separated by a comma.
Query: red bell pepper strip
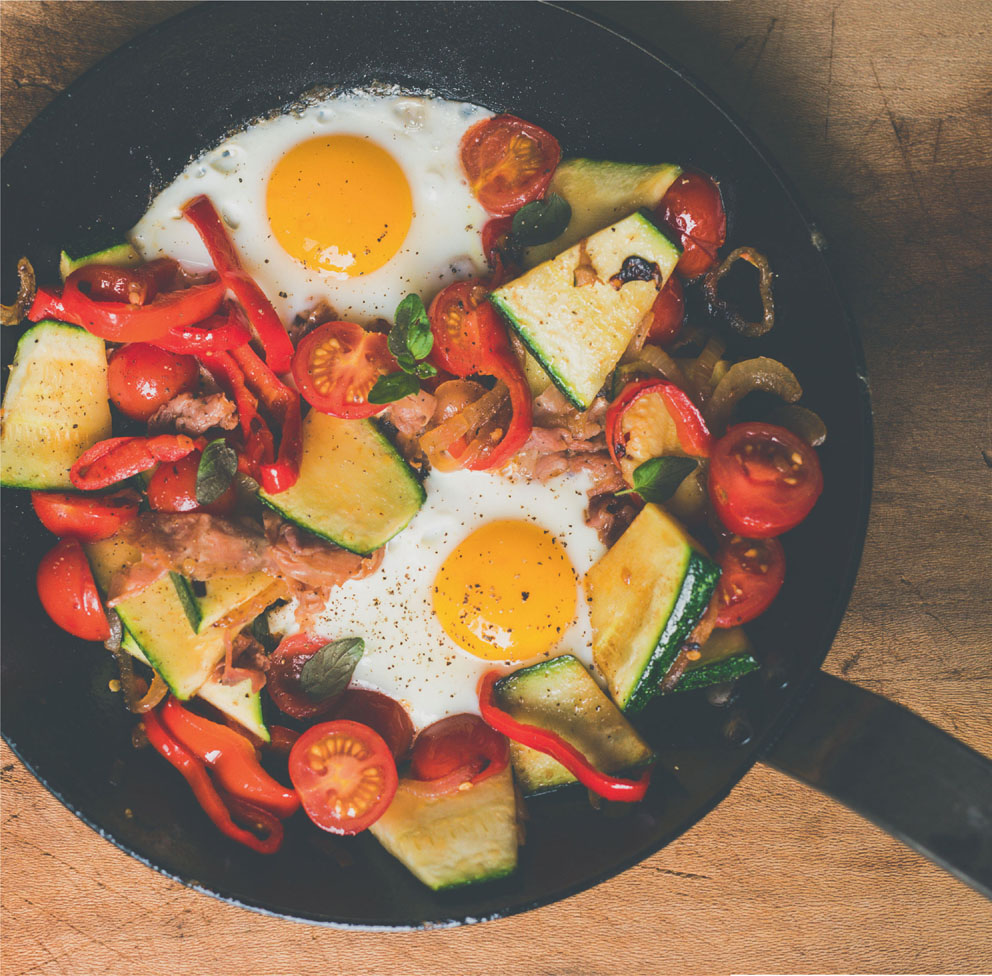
[[219, 333], [262, 821], [232, 758], [117, 458], [195, 774], [552, 744], [690, 428], [121, 321], [200, 212], [283, 404], [228, 375]]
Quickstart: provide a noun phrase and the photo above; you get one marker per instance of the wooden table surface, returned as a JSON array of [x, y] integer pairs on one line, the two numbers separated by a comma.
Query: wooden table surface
[[882, 115]]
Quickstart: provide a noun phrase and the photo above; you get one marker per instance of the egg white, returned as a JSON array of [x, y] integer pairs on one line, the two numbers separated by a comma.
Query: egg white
[[408, 656], [422, 134]]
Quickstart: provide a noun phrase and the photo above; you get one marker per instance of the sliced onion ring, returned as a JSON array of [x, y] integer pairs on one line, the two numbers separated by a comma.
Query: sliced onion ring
[[464, 422], [14, 314], [737, 321], [663, 364], [802, 421], [767, 375]]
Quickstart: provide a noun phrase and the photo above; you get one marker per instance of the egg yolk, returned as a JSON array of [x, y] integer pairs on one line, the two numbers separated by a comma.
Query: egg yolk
[[340, 204], [506, 592]]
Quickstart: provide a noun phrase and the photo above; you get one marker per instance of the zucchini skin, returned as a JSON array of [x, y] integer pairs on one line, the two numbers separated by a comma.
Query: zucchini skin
[[717, 672], [701, 577]]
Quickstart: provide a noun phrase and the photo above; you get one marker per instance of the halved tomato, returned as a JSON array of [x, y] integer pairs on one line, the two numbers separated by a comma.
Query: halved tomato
[[141, 378], [459, 742], [508, 162], [668, 312], [763, 480], [68, 592], [693, 207], [172, 488], [87, 517], [753, 573], [336, 366], [283, 677], [345, 775], [380, 712]]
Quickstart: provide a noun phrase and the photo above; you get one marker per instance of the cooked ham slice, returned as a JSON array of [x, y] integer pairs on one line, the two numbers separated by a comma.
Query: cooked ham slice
[[195, 415]]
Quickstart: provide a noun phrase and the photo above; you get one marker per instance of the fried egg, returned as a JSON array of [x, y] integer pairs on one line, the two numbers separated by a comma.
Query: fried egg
[[357, 200], [486, 575]]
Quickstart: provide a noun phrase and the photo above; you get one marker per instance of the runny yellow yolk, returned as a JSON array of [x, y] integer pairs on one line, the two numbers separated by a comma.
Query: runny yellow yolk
[[506, 592], [339, 204]]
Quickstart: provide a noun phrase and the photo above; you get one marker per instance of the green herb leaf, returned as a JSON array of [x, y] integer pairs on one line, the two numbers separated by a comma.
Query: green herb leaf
[[541, 221], [656, 480], [411, 318], [393, 386], [328, 672], [218, 464]]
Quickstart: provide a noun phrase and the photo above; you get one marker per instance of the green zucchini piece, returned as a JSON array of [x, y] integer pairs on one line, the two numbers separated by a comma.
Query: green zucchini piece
[[55, 406], [354, 488], [238, 702], [646, 594], [727, 655], [601, 192], [465, 837], [561, 695], [158, 620], [121, 255], [227, 593], [578, 330]]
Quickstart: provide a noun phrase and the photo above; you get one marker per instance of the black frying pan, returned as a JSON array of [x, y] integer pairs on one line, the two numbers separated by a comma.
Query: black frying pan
[[96, 156]]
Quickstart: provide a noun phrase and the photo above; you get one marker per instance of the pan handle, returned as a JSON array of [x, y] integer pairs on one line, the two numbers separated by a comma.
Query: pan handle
[[895, 769]]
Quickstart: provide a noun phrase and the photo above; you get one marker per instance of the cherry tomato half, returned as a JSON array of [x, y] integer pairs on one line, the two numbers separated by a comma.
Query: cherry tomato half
[[763, 480], [693, 208], [668, 312], [68, 593], [508, 162], [458, 741], [379, 712], [141, 378], [87, 517], [753, 573], [337, 364], [283, 677], [458, 348], [345, 775], [172, 488]]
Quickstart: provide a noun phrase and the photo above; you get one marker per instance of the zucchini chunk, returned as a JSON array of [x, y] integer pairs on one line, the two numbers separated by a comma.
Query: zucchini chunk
[[569, 315], [468, 836], [645, 597], [727, 655], [55, 407], [562, 696], [601, 192], [238, 702], [121, 255], [354, 487], [227, 593]]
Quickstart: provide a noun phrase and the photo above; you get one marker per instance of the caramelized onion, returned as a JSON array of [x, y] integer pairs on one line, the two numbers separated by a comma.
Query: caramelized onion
[[639, 337], [802, 421], [464, 422], [699, 373], [156, 692], [737, 321], [663, 364], [14, 314], [767, 375]]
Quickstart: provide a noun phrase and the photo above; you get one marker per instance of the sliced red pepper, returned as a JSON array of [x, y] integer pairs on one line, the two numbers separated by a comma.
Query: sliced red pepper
[[110, 461], [138, 286], [690, 427], [228, 375], [202, 214], [495, 237], [118, 321], [232, 758], [219, 333], [552, 744], [195, 773]]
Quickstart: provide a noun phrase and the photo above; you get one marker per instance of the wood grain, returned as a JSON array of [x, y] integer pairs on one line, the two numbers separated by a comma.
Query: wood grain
[[882, 115]]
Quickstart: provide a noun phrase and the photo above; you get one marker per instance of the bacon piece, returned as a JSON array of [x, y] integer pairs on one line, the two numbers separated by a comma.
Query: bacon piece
[[195, 415]]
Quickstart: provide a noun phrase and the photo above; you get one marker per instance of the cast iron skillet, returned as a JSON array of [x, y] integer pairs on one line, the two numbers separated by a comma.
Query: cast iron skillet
[[96, 156]]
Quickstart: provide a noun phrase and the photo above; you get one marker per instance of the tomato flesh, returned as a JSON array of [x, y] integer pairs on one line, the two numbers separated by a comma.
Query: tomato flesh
[[455, 742], [379, 712], [85, 517], [68, 592], [753, 571], [345, 775], [693, 208], [763, 480], [141, 378], [336, 366], [668, 312], [172, 488], [458, 348], [508, 162], [283, 678]]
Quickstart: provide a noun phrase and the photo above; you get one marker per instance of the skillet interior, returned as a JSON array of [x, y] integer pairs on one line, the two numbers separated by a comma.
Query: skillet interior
[[130, 125]]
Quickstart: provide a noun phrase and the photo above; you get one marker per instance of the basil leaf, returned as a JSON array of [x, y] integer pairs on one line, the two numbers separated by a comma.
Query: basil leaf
[[411, 317], [541, 221], [216, 471], [328, 672], [393, 386], [656, 480], [423, 370]]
